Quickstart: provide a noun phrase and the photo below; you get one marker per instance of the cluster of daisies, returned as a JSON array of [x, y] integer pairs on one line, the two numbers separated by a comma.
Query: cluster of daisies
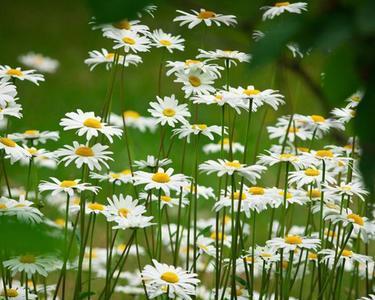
[[145, 230]]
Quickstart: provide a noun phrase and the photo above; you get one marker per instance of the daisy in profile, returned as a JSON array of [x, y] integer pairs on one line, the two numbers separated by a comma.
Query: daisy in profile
[[134, 120], [196, 82], [16, 293], [108, 58], [216, 147], [22, 209], [343, 115], [164, 180], [152, 162], [69, 187], [118, 178], [280, 7], [88, 124], [39, 62], [309, 176], [30, 264], [11, 109], [35, 136], [92, 156], [205, 192], [167, 111], [190, 65], [186, 130], [29, 75], [160, 39], [222, 167], [354, 99], [173, 281], [292, 242], [8, 92], [129, 41], [41, 158], [273, 158], [125, 24], [232, 201], [231, 56], [351, 189], [347, 256], [94, 208], [12, 150], [165, 200], [206, 16], [319, 124], [133, 222], [293, 196]]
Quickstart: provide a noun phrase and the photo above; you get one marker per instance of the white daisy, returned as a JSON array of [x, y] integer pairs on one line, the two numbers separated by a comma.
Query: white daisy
[[206, 16], [16, 293], [281, 7], [22, 209], [186, 130], [164, 279], [196, 82], [275, 158], [118, 178], [292, 242], [348, 189], [161, 39], [8, 93], [12, 150], [152, 162], [88, 124], [39, 62], [216, 147], [347, 256], [41, 158], [92, 156], [190, 65], [309, 176], [230, 56], [125, 24], [202, 191], [343, 115], [168, 111], [35, 136], [221, 167], [11, 109], [129, 40], [135, 120], [30, 75], [69, 187], [30, 264]]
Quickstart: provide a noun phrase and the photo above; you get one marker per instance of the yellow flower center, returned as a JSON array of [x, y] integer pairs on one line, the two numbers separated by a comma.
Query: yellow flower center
[[110, 56], [11, 293], [68, 183], [303, 149], [92, 123], [14, 72], [312, 172], [165, 42], [96, 206], [324, 153], [288, 195], [123, 25], [76, 201], [312, 256], [250, 92], [355, 98], [131, 114], [189, 62], [256, 190], [170, 277], [286, 156], [356, 218], [219, 236], [126, 172], [266, 255], [84, 151], [115, 175], [347, 253], [123, 212], [330, 233], [2, 206], [8, 142], [314, 193], [293, 239], [27, 259], [169, 112], [281, 4], [293, 129], [121, 247], [166, 198], [318, 118], [31, 132], [236, 196], [194, 81], [161, 177], [128, 40], [233, 164], [199, 126], [60, 222], [32, 150], [225, 141], [206, 14], [249, 259]]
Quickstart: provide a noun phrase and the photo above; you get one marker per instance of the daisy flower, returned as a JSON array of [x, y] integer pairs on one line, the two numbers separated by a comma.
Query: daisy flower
[[329, 255], [11, 109], [30, 75], [92, 156], [274, 158], [30, 264], [293, 196], [202, 191], [221, 167], [279, 132], [280, 7], [8, 93], [343, 115], [164, 180], [118, 178], [35, 136], [88, 124], [94, 208], [319, 124], [348, 189], [292, 242], [135, 120], [165, 200], [152, 162], [206, 16], [69, 187], [129, 40], [133, 25], [186, 130], [216, 147], [309, 176], [168, 111], [230, 56], [16, 293], [232, 201], [354, 99], [161, 39], [162, 278], [108, 58], [133, 222], [13, 150], [41, 158], [22, 209], [196, 82], [39, 62], [190, 65], [120, 207]]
